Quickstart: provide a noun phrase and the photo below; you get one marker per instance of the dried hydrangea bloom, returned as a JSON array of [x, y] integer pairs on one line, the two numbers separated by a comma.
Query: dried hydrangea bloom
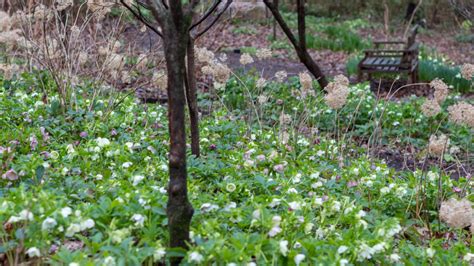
[[438, 145], [204, 56], [100, 7], [462, 113], [114, 62], [5, 21], [430, 107], [441, 90], [337, 98], [160, 79], [246, 59], [262, 99], [142, 62], [457, 213], [63, 4], [261, 82], [281, 76], [467, 71], [10, 38], [342, 80], [9, 70], [285, 118], [221, 72], [42, 12], [264, 53], [305, 80]]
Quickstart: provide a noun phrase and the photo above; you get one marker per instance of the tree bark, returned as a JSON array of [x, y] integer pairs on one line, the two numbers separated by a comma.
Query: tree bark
[[300, 46], [191, 96], [179, 210]]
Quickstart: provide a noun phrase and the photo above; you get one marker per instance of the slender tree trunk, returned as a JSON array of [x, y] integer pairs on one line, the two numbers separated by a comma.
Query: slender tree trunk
[[299, 45], [179, 209], [191, 96]]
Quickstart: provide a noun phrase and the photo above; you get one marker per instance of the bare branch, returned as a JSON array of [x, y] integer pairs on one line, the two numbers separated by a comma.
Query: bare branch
[[140, 17], [211, 24], [206, 15], [282, 23]]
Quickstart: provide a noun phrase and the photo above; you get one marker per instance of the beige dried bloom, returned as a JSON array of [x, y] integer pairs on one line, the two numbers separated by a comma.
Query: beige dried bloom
[[125, 77], [261, 82], [284, 119], [160, 79], [63, 4], [467, 71], [142, 62], [457, 213], [82, 58], [42, 12], [441, 90], [204, 56], [341, 80], [281, 76], [430, 107], [305, 80], [262, 99], [207, 70], [338, 91], [438, 145], [99, 7], [264, 53], [114, 62], [462, 113], [10, 38], [9, 70], [5, 21], [221, 72], [246, 59]]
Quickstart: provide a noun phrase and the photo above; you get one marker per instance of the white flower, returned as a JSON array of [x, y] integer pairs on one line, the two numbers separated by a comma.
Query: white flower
[[208, 207], [231, 187], [274, 231], [308, 228], [109, 261], [342, 249], [127, 164], [468, 257], [394, 257], [48, 223], [23, 216], [274, 203], [159, 254], [378, 247], [343, 262], [66, 211], [102, 142], [284, 247], [364, 252], [74, 264], [195, 257], [299, 258], [137, 179], [33, 252], [430, 252], [87, 224], [294, 205], [297, 245], [138, 219], [292, 191]]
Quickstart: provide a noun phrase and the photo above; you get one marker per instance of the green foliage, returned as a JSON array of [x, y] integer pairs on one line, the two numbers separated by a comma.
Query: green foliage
[[100, 183]]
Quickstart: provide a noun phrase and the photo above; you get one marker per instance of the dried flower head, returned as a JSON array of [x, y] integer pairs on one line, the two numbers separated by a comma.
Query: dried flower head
[[264, 53], [342, 80], [142, 62], [281, 76], [160, 79], [262, 99], [438, 145], [221, 72], [457, 213], [9, 70], [285, 118], [246, 59], [467, 71], [204, 56], [63, 4], [261, 82], [441, 90], [462, 113], [430, 107], [306, 81]]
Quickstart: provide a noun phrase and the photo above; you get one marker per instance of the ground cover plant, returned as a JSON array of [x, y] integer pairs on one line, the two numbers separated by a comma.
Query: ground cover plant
[[97, 166]]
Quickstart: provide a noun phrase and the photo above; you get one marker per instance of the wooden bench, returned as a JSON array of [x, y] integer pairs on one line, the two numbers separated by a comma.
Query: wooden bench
[[386, 59]]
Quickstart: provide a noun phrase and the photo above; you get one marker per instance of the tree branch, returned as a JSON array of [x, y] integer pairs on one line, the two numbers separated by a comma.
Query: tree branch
[[206, 15], [210, 25], [282, 23], [141, 18]]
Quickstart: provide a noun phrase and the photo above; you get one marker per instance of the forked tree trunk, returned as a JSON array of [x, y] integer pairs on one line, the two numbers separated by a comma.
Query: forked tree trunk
[[191, 96], [299, 45], [179, 209]]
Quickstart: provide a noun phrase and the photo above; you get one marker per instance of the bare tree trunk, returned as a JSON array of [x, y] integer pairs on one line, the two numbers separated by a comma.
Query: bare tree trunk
[[191, 96], [179, 209], [300, 46]]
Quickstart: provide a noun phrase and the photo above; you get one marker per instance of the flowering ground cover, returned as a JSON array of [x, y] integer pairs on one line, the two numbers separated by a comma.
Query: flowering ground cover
[[88, 187]]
